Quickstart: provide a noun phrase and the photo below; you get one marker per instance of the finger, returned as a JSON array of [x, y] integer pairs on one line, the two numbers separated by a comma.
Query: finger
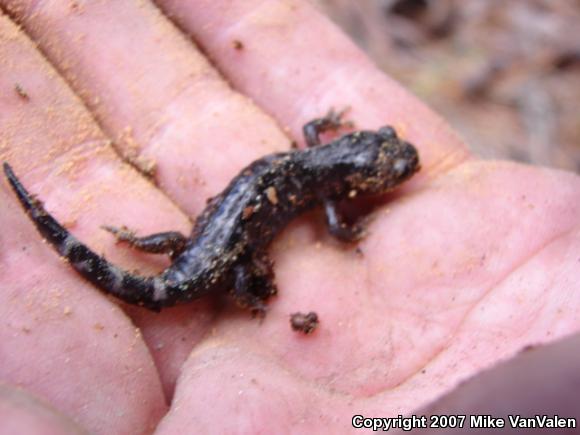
[[64, 342], [21, 413], [150, 88], [296, 64], [61, 339], [145, 75], [152, 92]]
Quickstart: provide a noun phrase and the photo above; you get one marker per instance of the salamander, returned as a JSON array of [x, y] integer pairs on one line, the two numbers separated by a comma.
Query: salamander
[[227, 248]]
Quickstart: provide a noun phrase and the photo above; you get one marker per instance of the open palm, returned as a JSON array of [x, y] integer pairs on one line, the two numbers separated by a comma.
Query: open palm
[[467, 264]]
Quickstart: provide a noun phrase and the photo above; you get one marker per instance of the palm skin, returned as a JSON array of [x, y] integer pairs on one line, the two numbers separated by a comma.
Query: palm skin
[[470, 262]]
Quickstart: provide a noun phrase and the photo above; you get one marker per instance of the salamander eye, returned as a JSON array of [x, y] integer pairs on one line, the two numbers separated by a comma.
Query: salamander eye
[[401, 167], [388, 132]]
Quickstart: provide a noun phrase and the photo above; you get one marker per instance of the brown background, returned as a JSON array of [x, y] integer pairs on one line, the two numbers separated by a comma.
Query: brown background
[[505, 74]]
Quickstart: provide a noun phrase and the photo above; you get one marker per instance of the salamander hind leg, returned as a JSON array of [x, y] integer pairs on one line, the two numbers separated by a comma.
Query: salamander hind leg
[[331, 121], [254, 283], [338, 228], [171, 243]]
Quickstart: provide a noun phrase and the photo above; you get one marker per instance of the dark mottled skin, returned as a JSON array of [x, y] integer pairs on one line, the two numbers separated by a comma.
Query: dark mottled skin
[[227, 250]]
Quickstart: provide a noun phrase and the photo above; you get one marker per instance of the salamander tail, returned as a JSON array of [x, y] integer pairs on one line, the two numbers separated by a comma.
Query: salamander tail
[[149, 292]]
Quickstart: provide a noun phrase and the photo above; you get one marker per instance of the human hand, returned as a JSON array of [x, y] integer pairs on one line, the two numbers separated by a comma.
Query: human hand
[[475, 260]]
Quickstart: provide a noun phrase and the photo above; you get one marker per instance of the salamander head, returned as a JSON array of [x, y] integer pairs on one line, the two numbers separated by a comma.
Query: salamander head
[[382, 161]]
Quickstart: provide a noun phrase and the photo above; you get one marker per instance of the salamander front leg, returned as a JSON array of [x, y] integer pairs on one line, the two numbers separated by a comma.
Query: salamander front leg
[[171, 243], [332, 121], [254, 283], [338, 228]]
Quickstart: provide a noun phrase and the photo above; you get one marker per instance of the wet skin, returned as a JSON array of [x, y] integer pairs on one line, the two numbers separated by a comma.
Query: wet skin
[[227, 249]]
